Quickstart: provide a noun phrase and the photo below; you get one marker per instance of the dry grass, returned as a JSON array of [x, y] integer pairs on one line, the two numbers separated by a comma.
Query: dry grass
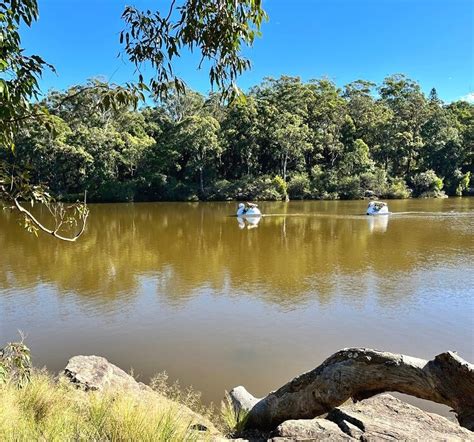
[[55, 411]]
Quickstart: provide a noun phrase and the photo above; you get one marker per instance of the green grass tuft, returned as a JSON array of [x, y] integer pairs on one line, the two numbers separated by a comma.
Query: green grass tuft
[[233, 421], [56, 411]]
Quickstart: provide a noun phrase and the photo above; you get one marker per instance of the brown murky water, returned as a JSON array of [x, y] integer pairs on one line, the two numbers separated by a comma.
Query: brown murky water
[[185, 288]]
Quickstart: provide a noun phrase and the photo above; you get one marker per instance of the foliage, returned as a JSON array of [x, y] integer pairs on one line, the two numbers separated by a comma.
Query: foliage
[[69, 221], [280, 186], [217, 28], [15, 364], [233, 421], [428, 181], [463, 183], [299, 186], [331, 143], [19, 73], [398, 189]]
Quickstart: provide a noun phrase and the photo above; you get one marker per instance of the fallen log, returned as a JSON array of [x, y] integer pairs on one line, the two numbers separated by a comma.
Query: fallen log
[[360, 373]]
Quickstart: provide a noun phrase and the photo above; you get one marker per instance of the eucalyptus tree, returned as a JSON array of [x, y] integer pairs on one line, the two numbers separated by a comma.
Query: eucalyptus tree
[[445, 138], [179, 105], [369, 117], [217, 28], [198, 139], [19, 75], [410, 111], [239, 133], [326, 117], [292, 138], [463, 113]]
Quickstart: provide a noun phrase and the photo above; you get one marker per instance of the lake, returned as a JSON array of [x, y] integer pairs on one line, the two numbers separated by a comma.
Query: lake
[[188, 289]]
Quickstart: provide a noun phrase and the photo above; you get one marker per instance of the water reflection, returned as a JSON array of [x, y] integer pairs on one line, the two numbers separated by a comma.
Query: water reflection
[[179, 287], [248, 223], [378, 223], [190, 246]]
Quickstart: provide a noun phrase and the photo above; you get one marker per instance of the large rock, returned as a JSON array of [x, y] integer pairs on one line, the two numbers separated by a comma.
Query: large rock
[[310, 429], [96, 373], [378, 418], [385, 417]]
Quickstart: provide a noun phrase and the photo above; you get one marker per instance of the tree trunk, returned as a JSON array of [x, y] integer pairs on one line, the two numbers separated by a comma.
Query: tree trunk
[[285, 163], [201, 181], [360, 373]]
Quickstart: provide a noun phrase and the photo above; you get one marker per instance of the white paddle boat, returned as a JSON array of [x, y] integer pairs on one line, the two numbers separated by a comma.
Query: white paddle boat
[[248, 210], [377, 208]]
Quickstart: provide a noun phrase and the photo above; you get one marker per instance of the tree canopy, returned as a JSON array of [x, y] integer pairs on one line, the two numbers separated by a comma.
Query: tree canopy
[[217, 28], [285, 137], [288, 138]]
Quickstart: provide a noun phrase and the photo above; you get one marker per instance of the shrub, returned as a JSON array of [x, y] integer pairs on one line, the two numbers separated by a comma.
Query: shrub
[[262, 188], [349, 188], [463, 183], [152, 187], [397, 189], [427, 182], [223, 190], [374, 183], [299, 186], [15, 364], [280, 186]]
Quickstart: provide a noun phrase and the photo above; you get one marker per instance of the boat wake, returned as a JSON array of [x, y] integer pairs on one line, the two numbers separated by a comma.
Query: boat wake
[[434, 214], [363, 215]]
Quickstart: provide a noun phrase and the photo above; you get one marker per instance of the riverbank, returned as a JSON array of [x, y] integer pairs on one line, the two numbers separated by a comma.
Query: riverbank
[[307, 140], [93, 399], [264, 188]]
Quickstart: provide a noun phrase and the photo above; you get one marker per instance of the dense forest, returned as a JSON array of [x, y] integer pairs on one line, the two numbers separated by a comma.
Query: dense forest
[[285, 138]]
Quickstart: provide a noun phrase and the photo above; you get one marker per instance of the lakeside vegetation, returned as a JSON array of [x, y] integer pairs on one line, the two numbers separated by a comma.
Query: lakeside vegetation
[[47, 410], [39, 406], [287, 138]]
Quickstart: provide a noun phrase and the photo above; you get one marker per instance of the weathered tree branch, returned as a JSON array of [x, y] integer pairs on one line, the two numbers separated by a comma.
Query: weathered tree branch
[[360, 373], [54, 232]]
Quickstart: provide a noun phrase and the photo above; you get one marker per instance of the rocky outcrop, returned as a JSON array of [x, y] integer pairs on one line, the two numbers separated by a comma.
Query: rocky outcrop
[[382, 417], [376, 418], [360, 373], [310, 429], [96, 373]]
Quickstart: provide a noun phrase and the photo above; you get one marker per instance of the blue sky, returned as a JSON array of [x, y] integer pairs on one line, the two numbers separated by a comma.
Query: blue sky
[[429, 40]]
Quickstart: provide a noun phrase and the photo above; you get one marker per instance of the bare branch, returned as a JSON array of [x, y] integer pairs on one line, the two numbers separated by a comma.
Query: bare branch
[[54, 232]]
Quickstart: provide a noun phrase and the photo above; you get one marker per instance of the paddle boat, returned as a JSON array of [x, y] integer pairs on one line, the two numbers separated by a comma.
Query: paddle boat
[[248, 210], [377, 208]]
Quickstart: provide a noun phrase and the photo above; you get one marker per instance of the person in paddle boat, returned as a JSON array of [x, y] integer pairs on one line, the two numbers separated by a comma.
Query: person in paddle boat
[[377, 208], [248, 209]]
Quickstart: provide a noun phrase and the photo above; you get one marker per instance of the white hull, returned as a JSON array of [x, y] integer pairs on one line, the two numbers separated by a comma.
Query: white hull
[[377, 209], [249, 213]]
